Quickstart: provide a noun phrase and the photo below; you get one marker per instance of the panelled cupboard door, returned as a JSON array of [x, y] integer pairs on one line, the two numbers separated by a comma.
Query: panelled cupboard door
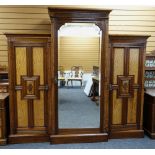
[[124, 84], [31, 79], [126, 88], [28, 58]]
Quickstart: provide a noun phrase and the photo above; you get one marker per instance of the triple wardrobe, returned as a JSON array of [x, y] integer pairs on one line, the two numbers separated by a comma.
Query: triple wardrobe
[[33, 89]]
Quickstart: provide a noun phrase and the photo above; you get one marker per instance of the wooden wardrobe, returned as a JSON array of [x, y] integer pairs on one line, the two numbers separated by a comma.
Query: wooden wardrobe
[[29, 85], [127, 56], [33, 83], [28, 79]]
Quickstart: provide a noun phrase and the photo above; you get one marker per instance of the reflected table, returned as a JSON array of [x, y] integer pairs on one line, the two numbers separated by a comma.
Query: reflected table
[[74, 79], [62, 81]]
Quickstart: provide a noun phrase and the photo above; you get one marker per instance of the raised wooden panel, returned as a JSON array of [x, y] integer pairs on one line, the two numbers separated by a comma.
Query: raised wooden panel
[[22, 111], [117, 109], [20, 63], [30, 87], [125, 86], [134, 63], [38, 63], [38, 69], [132, 108], [39, 111], [118, 63]]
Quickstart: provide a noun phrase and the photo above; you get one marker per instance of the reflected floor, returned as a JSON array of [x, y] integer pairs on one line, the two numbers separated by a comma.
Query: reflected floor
[[76, 110]]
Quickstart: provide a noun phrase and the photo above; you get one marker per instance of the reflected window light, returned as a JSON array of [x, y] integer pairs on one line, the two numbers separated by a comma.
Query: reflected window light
[[79, 29]]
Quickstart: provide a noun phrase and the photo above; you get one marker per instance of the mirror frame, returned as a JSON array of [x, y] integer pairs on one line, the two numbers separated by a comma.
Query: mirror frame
[[71, 135]]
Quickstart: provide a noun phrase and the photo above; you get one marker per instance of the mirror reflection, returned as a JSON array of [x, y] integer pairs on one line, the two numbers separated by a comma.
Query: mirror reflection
[[79, 75]]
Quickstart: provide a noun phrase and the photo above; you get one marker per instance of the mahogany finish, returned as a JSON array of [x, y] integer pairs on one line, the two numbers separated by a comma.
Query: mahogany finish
[[58, 18], [79, 138], [149, 114], [53, 133], [126, 86], [129, 86], [29, 129], [4, 117]]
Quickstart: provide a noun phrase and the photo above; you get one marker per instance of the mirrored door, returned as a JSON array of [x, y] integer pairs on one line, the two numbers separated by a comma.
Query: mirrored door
[[79, 75]]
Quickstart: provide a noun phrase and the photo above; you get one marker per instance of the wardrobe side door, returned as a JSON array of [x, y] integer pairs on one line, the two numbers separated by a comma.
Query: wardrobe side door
[[31, 87], [126, 88]]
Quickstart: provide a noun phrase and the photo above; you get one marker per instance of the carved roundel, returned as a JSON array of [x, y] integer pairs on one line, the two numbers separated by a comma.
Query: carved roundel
[[30, 87], [125, 86]]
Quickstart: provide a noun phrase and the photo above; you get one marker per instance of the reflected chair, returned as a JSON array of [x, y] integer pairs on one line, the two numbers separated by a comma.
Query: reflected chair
[[61, 77], [75, 75]]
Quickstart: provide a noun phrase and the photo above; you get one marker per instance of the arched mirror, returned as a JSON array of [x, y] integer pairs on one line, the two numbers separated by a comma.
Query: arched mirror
[[79, 48], [79, 89]]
